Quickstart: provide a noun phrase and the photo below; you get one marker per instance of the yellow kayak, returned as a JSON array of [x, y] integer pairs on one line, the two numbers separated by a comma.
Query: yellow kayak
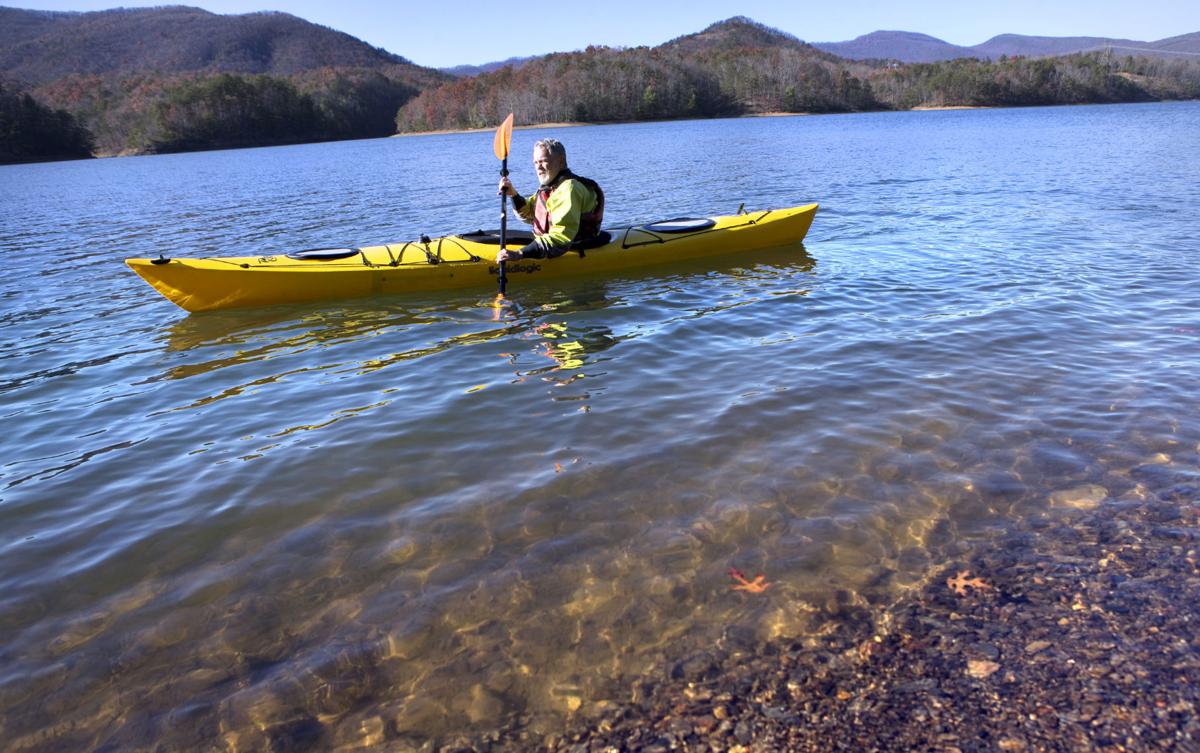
[[455, 261]]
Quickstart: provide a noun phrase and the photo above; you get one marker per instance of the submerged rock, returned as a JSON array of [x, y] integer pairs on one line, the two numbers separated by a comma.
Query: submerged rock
[[1085, 497]]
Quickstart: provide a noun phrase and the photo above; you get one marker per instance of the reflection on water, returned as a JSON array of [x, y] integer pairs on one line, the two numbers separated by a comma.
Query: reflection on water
[[406, 521]]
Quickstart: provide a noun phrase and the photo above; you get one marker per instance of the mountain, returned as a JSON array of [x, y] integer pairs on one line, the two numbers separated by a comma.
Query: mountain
[[1018, 44], [461, 71], [740, 67], [178, 78], [911, 47], [17, 25], [39, 46], [733, 33], [738, 32], [741, 34], [1185, 44], [905, 46], [732, 67]]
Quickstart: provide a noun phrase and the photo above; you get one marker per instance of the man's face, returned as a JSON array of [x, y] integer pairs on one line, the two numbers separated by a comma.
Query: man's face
[[546, 165]]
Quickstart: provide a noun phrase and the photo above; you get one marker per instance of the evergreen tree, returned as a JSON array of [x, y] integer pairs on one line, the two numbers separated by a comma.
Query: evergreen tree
[[31, 131]]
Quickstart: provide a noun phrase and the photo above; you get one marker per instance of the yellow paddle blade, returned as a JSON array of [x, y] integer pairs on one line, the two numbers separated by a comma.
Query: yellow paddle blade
[[503, 138]]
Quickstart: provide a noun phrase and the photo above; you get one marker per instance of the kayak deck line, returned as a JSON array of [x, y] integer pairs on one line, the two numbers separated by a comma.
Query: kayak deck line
[[658, 239], [453, 261], [436, 258]]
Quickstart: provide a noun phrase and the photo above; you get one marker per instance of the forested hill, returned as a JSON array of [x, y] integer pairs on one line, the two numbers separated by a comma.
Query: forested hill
[[741, 33], [740, 67], [176, 78], [730, 68], [40, 46]]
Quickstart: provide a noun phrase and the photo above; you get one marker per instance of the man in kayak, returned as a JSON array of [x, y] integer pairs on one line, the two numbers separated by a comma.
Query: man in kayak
[[566, 210]]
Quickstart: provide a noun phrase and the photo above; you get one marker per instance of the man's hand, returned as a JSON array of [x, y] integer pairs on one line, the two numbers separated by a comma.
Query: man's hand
[[508, 255], [506, 187]]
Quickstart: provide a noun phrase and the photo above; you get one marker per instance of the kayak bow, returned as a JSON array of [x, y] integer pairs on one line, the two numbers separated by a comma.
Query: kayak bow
[[455, 261]]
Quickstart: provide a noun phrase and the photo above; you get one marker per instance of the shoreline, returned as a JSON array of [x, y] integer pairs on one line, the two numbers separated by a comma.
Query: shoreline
[[771, 114], [931, 108], [569, 124], [1075, 631], [562, 124], [449, 131]]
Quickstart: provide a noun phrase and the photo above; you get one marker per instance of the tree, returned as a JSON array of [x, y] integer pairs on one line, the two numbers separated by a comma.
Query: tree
[[31, 131]]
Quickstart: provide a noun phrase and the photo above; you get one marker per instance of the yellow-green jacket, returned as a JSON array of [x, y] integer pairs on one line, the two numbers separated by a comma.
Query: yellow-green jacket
[[558, 212]]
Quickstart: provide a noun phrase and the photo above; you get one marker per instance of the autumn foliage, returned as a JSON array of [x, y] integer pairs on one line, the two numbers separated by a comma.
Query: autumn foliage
[[677, 81], [731, 68], [175, 78], [157, 113]]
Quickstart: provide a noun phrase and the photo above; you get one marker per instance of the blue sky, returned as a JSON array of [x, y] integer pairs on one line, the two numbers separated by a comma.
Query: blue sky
[[453, 32]]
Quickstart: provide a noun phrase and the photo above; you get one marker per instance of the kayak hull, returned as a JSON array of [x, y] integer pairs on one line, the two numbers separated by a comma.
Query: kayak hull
[[451, 262]]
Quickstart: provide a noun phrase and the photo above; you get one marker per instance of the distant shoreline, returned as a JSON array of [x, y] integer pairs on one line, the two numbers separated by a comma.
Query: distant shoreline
[[447, 131], [566, 124], [103, 154], [925, 108]]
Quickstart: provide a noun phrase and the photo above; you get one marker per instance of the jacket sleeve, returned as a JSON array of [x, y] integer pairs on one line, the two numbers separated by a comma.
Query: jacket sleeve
[[526, 210]]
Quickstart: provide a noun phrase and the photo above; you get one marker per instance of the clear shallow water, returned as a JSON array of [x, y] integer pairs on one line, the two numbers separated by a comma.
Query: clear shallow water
[[410, 517]]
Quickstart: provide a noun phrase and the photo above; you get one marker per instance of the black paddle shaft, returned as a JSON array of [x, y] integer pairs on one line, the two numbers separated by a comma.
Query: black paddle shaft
[[503, 225]]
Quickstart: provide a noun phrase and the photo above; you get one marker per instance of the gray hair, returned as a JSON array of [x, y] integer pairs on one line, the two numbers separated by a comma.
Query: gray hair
[[553, 147]]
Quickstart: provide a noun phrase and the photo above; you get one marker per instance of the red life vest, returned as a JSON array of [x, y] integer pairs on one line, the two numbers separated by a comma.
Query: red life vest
[[589, 222]]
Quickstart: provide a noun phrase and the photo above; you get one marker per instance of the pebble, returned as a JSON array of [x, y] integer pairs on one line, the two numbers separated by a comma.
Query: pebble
[[984, 651], [741, 731], [1085, 497], [981, 668]]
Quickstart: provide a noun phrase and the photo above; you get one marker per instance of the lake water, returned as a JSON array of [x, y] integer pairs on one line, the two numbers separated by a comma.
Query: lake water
[[410, 519]]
